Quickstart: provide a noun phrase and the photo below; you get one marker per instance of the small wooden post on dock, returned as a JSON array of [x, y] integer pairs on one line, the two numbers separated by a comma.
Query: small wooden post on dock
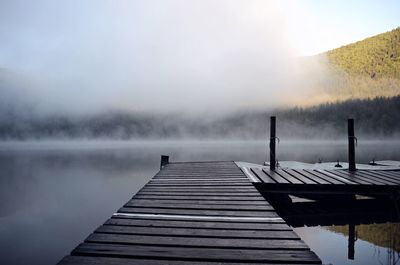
[[164, 161], [352, 139], [272, 158]]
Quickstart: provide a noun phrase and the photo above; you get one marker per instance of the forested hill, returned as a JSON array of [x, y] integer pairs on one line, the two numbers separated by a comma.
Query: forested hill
[[376, 57], [364, 69], [374, 118]]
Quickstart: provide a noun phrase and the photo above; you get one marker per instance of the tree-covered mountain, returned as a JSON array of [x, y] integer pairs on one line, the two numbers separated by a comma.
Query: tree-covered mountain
[[364, 69], [375, 57]]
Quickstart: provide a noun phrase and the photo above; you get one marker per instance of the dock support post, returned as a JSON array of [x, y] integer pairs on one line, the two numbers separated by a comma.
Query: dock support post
[[352, 139], [164, 161], [352, 239], [272, 157]]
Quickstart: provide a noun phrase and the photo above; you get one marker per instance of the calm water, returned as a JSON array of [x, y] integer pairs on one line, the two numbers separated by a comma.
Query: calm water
[[53, 194]]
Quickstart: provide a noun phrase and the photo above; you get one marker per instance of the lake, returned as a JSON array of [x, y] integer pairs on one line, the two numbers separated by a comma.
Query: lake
[[54, 193]]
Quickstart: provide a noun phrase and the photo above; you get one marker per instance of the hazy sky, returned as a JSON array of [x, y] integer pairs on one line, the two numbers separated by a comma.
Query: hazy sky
[[81, 56]]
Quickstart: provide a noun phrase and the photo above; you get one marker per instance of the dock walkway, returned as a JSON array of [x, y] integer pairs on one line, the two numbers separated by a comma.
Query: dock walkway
[[194, 213]]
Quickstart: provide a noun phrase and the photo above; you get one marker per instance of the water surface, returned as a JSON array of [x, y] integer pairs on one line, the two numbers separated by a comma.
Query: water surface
[[53, 194]]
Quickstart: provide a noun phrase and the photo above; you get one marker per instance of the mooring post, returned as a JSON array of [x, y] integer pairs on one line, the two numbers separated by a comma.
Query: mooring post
[[164, 161], [352, 139], [272, 158], [352, 239]]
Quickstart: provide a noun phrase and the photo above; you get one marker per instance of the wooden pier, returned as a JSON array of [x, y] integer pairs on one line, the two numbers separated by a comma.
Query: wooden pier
[[194, 213], [325, 182]]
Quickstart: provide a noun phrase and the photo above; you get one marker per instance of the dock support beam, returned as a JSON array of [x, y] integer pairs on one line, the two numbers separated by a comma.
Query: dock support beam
[[352, 140], [272, 157], [164, 161]]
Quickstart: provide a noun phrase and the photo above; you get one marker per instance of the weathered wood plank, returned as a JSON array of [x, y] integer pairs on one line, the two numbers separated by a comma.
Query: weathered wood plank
[[199, 212], [376, 178], [322, 176], [262, 176], [349, 176], [339, 180], [310, 177], [84, 260], [188, 232], [198, 184], [178, 190], [202, 202], [178, 241], [380, 175], [303, 179], [201, 193], [292, 178], [278, 178], [200, 197], [252, 226], [160, 204], [197, 254]]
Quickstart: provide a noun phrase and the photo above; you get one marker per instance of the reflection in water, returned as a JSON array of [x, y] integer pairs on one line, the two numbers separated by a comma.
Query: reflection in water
[[52, 195], [364, 219]]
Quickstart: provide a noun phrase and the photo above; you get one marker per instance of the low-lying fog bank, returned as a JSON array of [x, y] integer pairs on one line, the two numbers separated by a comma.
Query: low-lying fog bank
[[374, 119]]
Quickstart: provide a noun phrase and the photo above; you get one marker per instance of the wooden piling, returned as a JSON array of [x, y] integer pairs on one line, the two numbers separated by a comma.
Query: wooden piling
[[351, 139], [164, 161], [272, 157]]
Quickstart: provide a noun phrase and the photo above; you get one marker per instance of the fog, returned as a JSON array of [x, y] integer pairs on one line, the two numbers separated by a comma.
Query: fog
[[151, 56]]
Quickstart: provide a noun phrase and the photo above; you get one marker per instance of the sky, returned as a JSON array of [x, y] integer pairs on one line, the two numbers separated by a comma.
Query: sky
[[174, 55]]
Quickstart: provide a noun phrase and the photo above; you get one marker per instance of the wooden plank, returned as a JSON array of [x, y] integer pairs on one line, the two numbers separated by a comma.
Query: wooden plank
[[225, 188], [203, 202], [197, 254], [394, 173], [376, 178], [314, 173], [353, 177], [199, 212], [200, 187], [201, 197], [200, 175], [345, 181], [198, 218], [160, 204], [382, 175], [278, 178], [310, 177], [84, 260], [198, 242], [199, 180], [200, 193], [199, 233], [292, 177], [247, 226], [300, 177], [262, 176], [198, 184]]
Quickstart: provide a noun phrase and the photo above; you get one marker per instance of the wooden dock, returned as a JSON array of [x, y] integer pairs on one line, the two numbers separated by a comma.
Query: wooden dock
[[324, 182], [194, 213]]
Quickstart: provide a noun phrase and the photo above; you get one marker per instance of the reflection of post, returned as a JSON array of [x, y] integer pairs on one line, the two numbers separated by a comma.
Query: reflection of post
[[352, 239]]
